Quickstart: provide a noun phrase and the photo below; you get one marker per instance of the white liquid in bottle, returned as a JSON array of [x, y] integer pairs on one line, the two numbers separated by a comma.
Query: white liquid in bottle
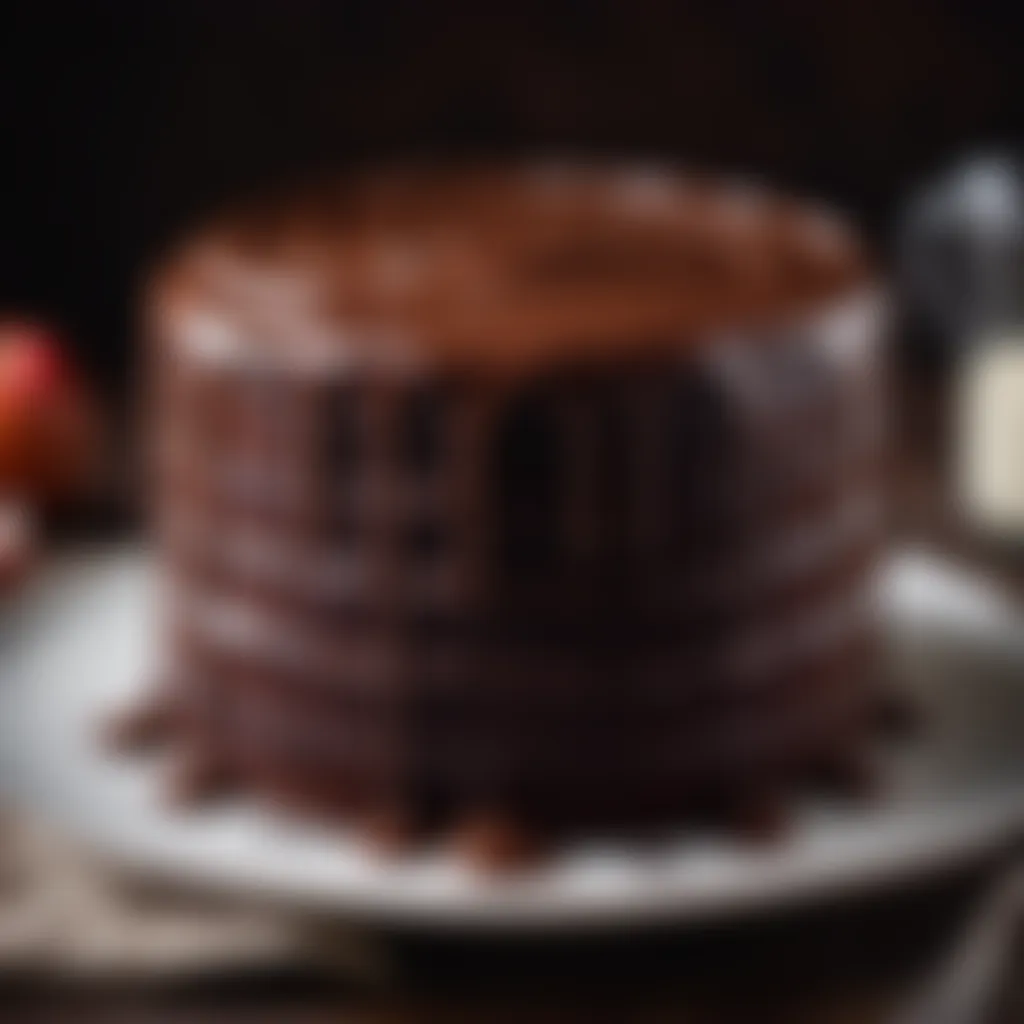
[[990, 437]]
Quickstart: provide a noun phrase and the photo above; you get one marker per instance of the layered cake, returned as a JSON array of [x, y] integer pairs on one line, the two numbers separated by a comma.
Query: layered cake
[[506, 505]]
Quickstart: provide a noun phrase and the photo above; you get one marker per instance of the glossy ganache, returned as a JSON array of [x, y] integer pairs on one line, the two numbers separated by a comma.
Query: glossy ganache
[[514, 505]]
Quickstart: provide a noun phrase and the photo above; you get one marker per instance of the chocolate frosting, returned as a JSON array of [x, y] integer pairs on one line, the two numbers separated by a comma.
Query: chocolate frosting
[[507, 270], [609, 575]]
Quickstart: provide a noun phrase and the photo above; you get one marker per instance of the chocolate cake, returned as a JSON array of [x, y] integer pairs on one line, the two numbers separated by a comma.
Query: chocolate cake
[[501, 505]]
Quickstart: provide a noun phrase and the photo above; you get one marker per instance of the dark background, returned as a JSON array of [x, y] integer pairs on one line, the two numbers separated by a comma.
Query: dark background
[[121, 121]]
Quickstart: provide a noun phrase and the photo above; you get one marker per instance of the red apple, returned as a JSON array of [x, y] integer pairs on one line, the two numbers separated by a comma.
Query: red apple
[[47, 419]]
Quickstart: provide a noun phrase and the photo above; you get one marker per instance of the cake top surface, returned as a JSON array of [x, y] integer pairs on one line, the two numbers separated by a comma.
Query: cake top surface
[[504, 268]]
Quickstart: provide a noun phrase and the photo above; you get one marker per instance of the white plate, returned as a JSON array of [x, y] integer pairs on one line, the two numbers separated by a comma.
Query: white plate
[[76, 650]]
